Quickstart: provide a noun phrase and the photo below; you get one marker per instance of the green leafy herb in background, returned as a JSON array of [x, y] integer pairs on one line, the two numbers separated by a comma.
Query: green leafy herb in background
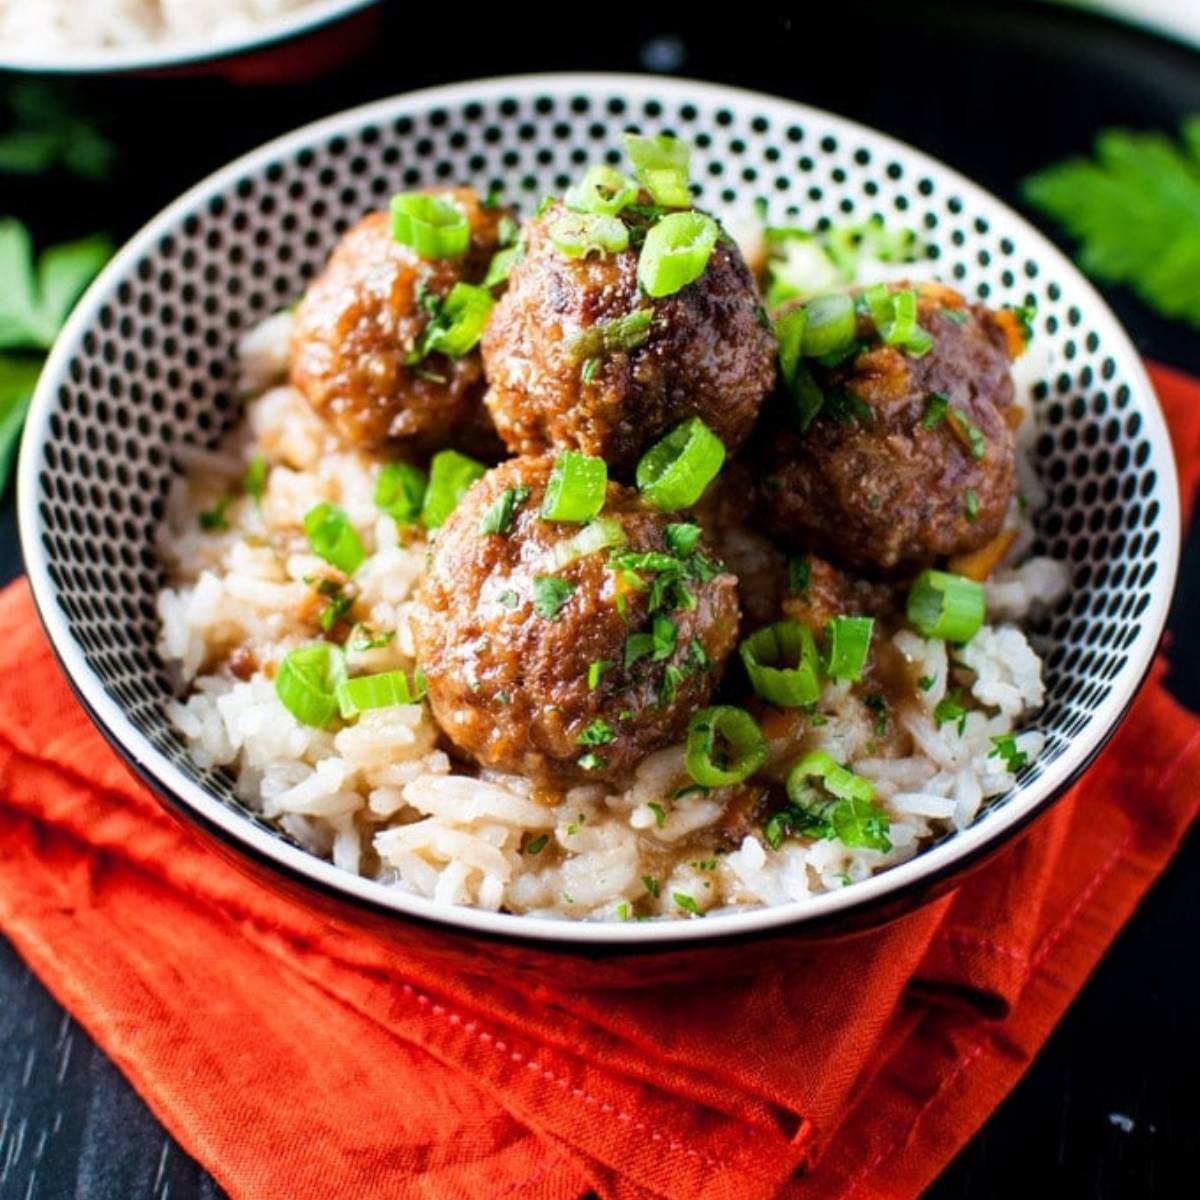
[[36, 295], [1135, 209], [44, 130]]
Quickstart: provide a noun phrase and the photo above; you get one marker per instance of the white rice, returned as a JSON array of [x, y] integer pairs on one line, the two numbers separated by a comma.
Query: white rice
[[48, 26], [378, 796]]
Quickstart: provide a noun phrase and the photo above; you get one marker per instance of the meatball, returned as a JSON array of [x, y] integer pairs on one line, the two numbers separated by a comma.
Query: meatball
[[566, 675], [709, 351], [910, 458], [360, 321]]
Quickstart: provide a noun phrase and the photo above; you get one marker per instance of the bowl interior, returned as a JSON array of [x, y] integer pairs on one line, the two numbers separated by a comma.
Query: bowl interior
[[147, 365]]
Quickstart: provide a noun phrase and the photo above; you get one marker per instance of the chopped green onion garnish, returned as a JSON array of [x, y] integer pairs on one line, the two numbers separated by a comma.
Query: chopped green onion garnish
[[651, 884], [799, 576], [902, 329], [333, 538], [363, 638], [686, 903], [838, 805], [936, 407], [307, 682], [621, 333], [674, 472], [576, 488], [973, 434], [502, 510], [450, 475], [596, 670], [457, 324], [829, 325], [941, 605], [724, 746], [781, 661], [400, 491], [549, 595], [602, 190], [589, 370], [538, 844], [682, 538], [807, 397], [836, 779], [971, 504], [596, 535], [662, 165], [789, 334], [433, 226], [372, 691], [849, 640], [676, 252], [577, 234], [598, 733], [254, 482], [501, 266]]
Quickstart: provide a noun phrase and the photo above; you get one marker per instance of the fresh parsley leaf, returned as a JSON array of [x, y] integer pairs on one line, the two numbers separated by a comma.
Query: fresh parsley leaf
[[538, 844], [591, 761], [254, 482], [936, 407], [549, 595], [949, 709], [596, 669], [926, 682], [598, 733], [799, 576], [652, 885], [970, 504], [682, 538], [1004, 746], [1135, 210], [363, 638], [686, 903], [502, 510], [214, 519]]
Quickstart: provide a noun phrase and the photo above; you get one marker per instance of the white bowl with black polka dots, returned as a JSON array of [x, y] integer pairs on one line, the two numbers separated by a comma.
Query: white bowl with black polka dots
[[146, 362]]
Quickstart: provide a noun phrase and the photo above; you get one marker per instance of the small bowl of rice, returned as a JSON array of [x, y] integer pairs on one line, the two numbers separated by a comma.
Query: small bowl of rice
[[374, 663], [245, 40]]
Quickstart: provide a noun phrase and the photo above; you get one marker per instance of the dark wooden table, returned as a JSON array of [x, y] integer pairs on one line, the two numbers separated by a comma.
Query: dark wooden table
[[1111, 1107]]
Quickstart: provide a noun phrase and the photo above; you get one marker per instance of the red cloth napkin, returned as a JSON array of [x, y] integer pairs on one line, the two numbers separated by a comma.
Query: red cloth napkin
[[294, 1059]]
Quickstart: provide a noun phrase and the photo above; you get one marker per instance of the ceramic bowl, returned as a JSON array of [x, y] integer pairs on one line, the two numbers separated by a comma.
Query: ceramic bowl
[[146, 362]]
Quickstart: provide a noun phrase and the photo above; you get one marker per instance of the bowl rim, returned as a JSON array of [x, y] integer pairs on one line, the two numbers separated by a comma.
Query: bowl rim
[[181, 52], [994, 827]]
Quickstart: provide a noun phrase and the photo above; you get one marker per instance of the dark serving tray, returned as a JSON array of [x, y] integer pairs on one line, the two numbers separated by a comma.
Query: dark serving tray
[[1110, 1108]]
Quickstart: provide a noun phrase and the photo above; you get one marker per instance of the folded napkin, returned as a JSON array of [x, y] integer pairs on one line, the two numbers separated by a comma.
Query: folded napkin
[[294, 1059]]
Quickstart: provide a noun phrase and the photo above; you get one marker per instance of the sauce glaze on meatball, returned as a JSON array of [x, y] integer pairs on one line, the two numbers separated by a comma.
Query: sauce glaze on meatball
[[361, 318], [888, 486], [511, 676], [709, 353]]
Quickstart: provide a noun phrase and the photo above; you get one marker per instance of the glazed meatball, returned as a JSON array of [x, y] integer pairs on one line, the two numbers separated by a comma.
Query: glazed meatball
[[363, 316], [563, 673], [709, 351], [910, 458]]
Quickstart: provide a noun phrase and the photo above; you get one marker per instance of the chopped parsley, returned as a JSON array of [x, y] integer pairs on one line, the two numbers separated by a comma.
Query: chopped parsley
[[672, 678], [623, 911], [956, 315], [339, 604], [1004, 746], [591, 761], [590, 369], [657, 645], [254, 482], [502, 510], [845, 406], [363, 638], [538, 844], [598, 733], [973, 434], [936, 407], [576, 825], [686, 903], [856, 823], [660, 815], [549, 595], [799, 576], [652, 885], [595, 670], [950, 709], [509, 599], [926, 682], [971, 504], [878, 705]]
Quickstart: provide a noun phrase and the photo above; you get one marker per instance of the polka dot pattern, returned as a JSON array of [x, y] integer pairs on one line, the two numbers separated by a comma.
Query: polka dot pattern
[[151, 367]]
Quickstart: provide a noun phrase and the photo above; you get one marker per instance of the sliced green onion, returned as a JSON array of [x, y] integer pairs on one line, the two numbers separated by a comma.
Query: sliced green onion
[[596, 670], [724, 746], [372, 691], [501, 265], [849, 640], [400, 491], [941, 605], [781, 661], [307, 682], [830, 324], [663, 167], [878, 302], [674, 472], [789, 333], [676, 252], [576, 488], [502, 510], [602, 190], [333, 538], [450, 475], [807, 397], [621, 333], [837, 780], [433, 226], [902, 328], [577, 234], [596, 535], [458, 326]]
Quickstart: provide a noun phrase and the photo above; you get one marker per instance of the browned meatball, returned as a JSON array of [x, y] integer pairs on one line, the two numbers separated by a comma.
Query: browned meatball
[[509, 658], [363, 316], [888, 475], [709, 352]]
